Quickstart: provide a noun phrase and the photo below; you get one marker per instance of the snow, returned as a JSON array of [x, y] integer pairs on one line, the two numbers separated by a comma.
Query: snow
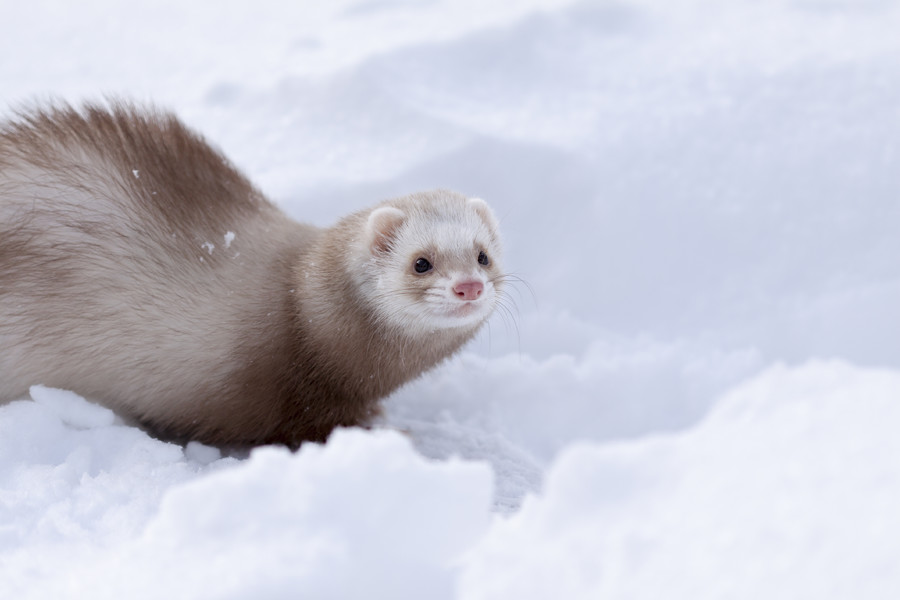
[[325, 512], [786, 489], [72, 409], [696, 393]]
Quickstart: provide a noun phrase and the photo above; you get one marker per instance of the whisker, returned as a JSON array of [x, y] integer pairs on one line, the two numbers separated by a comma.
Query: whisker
[[514, 280]]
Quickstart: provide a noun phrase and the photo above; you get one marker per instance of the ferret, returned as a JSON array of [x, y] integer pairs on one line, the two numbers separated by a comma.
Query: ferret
[[141, 270]]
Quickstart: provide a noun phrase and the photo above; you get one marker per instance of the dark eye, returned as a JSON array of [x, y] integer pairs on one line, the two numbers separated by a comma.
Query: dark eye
[[483, 259], [422, 265]]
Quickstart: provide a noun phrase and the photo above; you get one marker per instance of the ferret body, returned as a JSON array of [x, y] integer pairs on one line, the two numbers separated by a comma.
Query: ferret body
[[139, 269]]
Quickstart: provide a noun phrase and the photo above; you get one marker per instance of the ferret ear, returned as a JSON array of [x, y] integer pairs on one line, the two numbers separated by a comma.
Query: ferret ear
[[484, 211], [382, 227]]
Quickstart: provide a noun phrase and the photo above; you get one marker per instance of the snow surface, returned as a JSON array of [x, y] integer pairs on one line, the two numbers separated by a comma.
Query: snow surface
[[695, 396]]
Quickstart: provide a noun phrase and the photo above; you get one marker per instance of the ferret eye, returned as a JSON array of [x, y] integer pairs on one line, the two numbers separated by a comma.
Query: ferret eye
[[483, 259], [422, 265]]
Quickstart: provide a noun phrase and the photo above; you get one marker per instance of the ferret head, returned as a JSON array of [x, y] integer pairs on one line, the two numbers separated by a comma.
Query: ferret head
[[433, 262]]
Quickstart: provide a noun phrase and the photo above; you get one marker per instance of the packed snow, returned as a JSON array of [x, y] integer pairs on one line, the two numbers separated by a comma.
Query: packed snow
[[693, 393]]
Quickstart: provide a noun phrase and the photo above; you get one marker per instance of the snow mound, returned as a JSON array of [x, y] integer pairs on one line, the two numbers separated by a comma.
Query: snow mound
[[364, 512], [71, 408], [788, 489]]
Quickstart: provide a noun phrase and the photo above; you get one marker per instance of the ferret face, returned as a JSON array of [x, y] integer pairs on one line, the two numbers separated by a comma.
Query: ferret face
[[435, 261]]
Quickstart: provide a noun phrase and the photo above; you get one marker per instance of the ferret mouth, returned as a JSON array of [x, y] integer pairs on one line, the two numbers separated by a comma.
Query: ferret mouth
[[463, 313], [465, 309]]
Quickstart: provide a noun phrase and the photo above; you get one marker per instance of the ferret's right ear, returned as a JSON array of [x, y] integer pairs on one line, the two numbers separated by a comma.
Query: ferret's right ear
[[382, 227], [484, 211]]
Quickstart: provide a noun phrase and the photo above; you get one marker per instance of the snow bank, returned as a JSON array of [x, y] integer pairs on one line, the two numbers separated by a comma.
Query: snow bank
[[787, 490], [73, 482], [616, 388], [364, 512], [517, 411]]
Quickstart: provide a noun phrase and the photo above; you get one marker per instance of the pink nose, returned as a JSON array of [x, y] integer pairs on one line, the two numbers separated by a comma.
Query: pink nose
[[468, 290]]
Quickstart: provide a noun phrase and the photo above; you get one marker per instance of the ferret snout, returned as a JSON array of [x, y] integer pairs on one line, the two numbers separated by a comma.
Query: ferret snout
[[468, 290]]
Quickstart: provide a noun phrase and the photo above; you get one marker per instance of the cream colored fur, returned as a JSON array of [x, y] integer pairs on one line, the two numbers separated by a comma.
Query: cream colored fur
[[138, 268]]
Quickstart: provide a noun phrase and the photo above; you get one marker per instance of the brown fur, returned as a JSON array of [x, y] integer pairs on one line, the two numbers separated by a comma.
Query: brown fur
[[117, 281]]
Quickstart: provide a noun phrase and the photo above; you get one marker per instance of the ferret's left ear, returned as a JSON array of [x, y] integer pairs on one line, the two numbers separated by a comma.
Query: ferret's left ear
[[484, 211], [382, 226]]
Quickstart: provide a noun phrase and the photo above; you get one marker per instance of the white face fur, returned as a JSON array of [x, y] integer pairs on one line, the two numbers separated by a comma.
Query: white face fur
[[436, 263]]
